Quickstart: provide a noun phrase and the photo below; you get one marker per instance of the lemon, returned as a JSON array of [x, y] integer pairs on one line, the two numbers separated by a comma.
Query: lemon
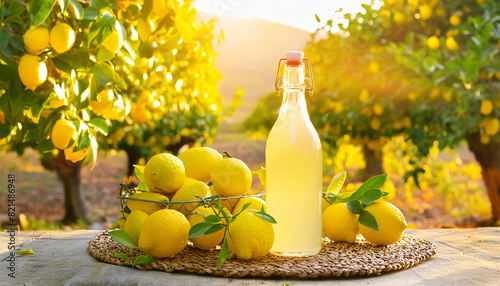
[[188, 181], [112, 42], [231, 177], [433, 43], [339, 223], [62, 37], [378, 109], [255, 204], [144, 29], [164, 233], [189, 193], [492, 126], [250, 237], [160, 7], [391, 224], [36, 40], [399, 17], [103, 103], [451, 44], [75, 156], [203, 241], [455, 20], [32, 71], [62, 133], [199, 162], [486, 107], [425, 12], [133, 224], [147, 207], [164, 173]]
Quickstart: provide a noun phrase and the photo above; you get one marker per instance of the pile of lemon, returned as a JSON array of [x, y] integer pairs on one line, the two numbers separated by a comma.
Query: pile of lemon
[[163, 232]]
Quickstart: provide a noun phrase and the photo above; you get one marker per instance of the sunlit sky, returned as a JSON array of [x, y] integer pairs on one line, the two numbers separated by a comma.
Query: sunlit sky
[[299, 14]]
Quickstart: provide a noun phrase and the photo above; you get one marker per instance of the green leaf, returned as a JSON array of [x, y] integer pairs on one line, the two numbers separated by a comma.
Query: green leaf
[[104, 73], [45, 146], [214, 228], [337, 183], [143, 187], [317, 18], [370, 196], [63, 4], [122, 238], [143, 259], [368, 220], [265, 216], [4, 39], [23, 252], [40, 10], [212, 218], [138, 173], [100, 124], [83, 141], [90, 13], [198, 229], [104, 21], [122, 256], [245, 206], [341, 198], [62, 65], [375, 182], [355, 206], [104, 54], [224, 253], [261, 173], [76, 9]]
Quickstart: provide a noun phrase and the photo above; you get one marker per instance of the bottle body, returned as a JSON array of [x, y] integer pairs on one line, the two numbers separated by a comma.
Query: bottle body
[[294, 179]]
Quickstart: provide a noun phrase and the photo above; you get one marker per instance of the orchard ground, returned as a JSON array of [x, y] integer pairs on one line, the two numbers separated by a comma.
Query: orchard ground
[[40, 197]]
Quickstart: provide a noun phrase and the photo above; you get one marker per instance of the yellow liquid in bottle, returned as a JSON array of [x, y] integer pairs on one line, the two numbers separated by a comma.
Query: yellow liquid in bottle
[[294, 183]]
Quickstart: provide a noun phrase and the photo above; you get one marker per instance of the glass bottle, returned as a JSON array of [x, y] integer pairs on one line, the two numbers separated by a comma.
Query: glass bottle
[[294, 167]]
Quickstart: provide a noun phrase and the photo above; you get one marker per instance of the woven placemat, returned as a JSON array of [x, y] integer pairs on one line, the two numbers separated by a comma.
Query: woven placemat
[[334, 259]]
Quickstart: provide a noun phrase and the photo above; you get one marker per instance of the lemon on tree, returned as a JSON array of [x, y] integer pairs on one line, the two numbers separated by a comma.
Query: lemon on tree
[[75, 156], [231, 177], [255, 204], [486, 107], [133, 224], [390, 221], [433, 43], [451, 44], [164, 233], [62, 133], [250, 237], [103, 103], [339, 223], [191, 192], [147, 207], [36, 40], [113, 42], [32, 71], [199, 162], [62, 37], [204, 241]]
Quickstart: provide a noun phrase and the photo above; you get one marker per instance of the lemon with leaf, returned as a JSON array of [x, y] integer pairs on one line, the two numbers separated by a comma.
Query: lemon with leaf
[[36, 40], [250, 236], [62, 133], [205, 241], [255, 204], [339, 223], [390, 221]]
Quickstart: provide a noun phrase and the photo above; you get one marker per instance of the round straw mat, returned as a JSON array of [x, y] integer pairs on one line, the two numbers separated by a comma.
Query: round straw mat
[[334, 259]]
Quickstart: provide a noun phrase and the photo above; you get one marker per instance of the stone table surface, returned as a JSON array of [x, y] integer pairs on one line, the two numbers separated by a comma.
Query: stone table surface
[[464, 257]]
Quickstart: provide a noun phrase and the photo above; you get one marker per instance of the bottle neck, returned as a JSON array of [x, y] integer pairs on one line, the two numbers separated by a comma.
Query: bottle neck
[[294, 88]]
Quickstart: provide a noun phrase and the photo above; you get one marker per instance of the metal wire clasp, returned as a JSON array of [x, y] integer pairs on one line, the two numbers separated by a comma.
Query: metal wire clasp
[[279, 79]]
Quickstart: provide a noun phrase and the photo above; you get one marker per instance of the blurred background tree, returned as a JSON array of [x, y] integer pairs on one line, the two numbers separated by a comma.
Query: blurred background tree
[[426, 72], [139, 73]]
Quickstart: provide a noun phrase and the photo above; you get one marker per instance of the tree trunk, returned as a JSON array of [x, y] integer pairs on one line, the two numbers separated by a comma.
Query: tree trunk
[[69, 175], [488, 156], [373, 161], [133, 156]]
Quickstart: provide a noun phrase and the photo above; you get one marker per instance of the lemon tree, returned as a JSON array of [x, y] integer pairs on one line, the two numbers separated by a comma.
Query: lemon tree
[[83, 62]]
